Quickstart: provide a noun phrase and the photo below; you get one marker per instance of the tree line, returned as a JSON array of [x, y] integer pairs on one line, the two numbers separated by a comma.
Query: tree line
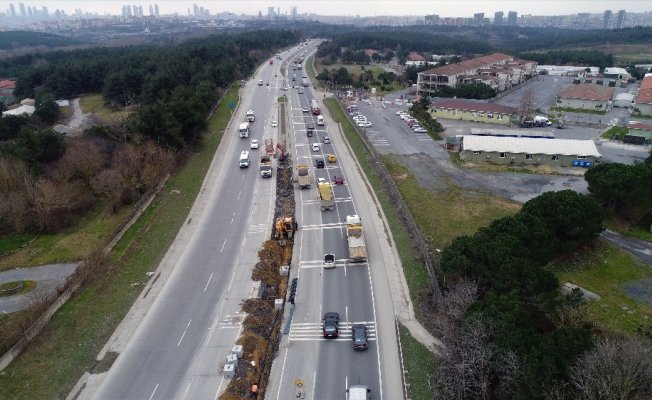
[[48, 181]]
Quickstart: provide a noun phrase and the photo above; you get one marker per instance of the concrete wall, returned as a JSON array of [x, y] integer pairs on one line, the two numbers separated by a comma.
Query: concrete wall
[[521, 159], [645, 109], [499, 119], [582, 104]]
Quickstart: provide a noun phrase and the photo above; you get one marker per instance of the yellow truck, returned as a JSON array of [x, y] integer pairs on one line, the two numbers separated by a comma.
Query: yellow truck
[[355, 238], [303, 176], [325, 190]]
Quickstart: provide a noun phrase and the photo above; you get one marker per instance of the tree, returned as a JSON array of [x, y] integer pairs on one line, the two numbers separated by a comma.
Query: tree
[[526, 105], [620, 185], [46, 108], [615, 369]]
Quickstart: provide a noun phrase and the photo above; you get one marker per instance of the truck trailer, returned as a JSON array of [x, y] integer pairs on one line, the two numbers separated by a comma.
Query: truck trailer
[[355, 238], [325, 190], [251, 117], [303, 176]]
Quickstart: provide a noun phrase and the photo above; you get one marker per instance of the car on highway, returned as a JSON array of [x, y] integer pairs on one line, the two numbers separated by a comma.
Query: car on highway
[[300, 91], [326, 140], [274, 123], [329, 260], [321, 180], [359, 335], [319, 163], [420, 130], [365, 124], [254, 143], [315, 147], [330, 326], [305, 109], [260, 82]]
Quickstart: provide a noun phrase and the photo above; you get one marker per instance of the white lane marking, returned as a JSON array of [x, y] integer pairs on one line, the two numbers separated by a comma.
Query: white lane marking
[[314, 383], [280, 382], [346, 383], [239, 193], [152, 395], [184, 333], [346, 314], [209, 281], [186, 391], [373, 305], [223, 244], [219, 387]]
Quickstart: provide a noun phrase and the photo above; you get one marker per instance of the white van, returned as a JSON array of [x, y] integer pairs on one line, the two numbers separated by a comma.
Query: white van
[[320, 120], [358, 392], [244, 159]]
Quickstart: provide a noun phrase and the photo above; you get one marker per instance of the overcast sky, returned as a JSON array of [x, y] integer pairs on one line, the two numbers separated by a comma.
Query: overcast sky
[[444, 8]]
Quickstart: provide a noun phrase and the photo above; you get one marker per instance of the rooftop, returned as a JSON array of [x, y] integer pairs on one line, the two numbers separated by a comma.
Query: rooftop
[[640, 125], [474, 106], [530, 146], [474, 63], [645, 91], [414, 56], [588, 91]]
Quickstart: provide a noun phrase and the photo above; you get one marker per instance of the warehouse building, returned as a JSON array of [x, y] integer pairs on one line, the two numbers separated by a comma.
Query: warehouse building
[[489, 113], [639, 132], [586, 96], [529, 151]]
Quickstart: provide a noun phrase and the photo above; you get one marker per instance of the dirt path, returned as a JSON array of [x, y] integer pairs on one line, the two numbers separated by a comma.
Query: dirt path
[[78, 122]]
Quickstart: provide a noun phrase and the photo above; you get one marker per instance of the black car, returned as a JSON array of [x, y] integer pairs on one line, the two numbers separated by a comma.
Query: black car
[[330, 327], [319, 163], [359, 334]]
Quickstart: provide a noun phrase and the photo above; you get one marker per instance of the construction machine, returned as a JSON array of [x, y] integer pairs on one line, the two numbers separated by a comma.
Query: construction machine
[[284, 229]]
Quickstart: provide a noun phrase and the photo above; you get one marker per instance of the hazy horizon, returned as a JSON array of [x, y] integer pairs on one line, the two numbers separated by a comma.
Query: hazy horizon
[[444, 8]]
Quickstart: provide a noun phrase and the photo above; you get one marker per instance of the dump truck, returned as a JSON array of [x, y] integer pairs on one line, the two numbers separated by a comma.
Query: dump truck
[[251, 117], [325, 190], [265, 166], [355, 237], [303, 176], [269, 147]]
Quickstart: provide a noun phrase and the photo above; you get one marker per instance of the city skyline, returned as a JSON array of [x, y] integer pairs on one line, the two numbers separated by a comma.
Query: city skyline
[[443, 8]]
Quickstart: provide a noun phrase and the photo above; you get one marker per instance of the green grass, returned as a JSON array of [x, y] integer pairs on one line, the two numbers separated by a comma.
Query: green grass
[[94, 103], [73, 243], [12, 243], [604, 270], [419, 364], [68, 345], [28, 286], [615, 132]]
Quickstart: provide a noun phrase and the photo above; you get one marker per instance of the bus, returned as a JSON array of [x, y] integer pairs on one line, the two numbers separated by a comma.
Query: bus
[[314, 107]]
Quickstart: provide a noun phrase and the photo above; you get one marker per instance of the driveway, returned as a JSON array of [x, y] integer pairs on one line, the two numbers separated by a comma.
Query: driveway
[[48, 277], [637, 247], [78, 122]]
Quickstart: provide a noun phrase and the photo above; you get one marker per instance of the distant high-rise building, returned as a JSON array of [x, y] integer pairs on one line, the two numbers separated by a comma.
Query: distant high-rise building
[[151, 10], [45, 12], [606, 19], [511, 18], [478, 18], [270, 12], [29, 11], [12, 10], [294, 12], [23, 13], [498, 18], [140, 11], [156, 9], [134, 11], [432, 19], [620, 19], [195, 9]]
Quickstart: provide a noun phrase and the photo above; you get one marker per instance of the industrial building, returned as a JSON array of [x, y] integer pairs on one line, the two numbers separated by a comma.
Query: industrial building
[[586, 96], [529, 151], [489, 113]]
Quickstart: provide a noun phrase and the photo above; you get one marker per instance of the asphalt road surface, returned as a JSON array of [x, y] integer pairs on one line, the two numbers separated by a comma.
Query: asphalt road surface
[[179, 348], [358, 292]]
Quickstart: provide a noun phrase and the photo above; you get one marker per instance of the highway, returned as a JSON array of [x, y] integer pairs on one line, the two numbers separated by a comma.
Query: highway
[[358, 292], [177, 351]]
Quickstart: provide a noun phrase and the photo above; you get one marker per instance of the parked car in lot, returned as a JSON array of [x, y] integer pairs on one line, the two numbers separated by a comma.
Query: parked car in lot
[[326, 140], [319, 163], [359, 334], [315, 147], [330, 327], [420, 130], [329, 260]]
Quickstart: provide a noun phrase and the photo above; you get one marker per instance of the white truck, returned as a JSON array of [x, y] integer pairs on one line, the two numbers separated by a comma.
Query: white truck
[[243, 130], [355, 238], [326, 200], [303, 176], [265, 166], [358, 392], [251, 117]]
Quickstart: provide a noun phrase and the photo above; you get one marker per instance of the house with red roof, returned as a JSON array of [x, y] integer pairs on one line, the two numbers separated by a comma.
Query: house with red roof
[[586, 96], [644, 97]]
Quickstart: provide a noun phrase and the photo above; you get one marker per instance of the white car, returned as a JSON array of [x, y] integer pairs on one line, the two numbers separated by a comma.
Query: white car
[[420, 130], [327, 140], [321, 180], [254, 143], [366, 125], [274, 123], [305, 109], [315, 147]]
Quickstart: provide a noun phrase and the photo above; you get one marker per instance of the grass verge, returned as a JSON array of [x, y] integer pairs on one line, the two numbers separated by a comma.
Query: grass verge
[[28, 286], [420, 364], [615, 132], [67, 347], [606, 270], [577, 110]]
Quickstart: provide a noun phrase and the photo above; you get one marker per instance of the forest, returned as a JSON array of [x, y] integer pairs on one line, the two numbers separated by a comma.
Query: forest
[[48, 181]]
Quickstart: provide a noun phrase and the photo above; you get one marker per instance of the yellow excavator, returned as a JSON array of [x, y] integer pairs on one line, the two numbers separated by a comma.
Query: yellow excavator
[[284, 229]]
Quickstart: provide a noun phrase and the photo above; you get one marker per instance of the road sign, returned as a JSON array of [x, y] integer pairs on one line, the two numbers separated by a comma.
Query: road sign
[[231, 105]]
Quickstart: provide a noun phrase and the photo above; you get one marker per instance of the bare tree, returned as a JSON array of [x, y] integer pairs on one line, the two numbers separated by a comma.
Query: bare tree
[[110, 184], [48, 198], [526, 106], [82, 160], [615, 369], [157, 162]]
